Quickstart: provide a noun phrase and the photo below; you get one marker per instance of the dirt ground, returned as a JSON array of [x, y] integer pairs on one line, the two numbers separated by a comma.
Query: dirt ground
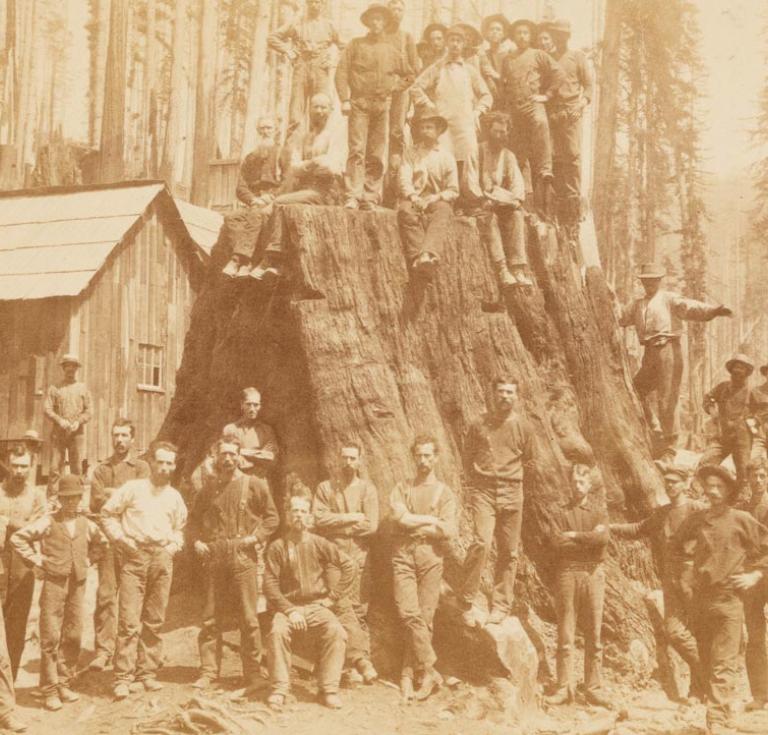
[[378, 708]]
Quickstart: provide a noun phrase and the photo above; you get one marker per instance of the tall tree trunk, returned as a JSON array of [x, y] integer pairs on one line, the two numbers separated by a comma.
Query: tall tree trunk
[[172, 163], [258, 76], [205, 108], [112, 166], [149, 104]]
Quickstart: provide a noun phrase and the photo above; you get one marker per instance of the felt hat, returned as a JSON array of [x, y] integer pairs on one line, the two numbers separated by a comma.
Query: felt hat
[[442, 123], [30, 435], [469, 33], [70, 359], [651, 271], [374, 8], [523, 22], [70, 485], [434, 27], [558, 25], [497, 18], [669, 468], [716, 470], [742, 358]]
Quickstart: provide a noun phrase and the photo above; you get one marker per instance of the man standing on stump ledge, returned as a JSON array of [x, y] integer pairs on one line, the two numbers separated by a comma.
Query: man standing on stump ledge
[[429, 185], [657, 318], [258, 443], [498, 447]]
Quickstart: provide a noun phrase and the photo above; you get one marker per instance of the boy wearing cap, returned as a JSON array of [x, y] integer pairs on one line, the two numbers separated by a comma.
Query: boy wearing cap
[[66, 540], [68, 406], [730, 557], [454, 89], [369, 71], [731, 403], [495, 30], [428, 184], [657, 318], [660, 528]]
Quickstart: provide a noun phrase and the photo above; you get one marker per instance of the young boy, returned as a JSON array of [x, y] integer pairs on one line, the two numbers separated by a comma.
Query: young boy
[[66, 540]]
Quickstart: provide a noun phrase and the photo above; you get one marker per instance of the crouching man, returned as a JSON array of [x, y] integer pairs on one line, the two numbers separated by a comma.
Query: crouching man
[[297, 585], [580, 536]]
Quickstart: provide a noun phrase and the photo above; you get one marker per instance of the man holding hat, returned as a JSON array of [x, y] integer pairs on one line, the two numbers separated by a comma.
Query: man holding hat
[[66, 540], [657, 318], [660, 528], [565, 115], [431, 48], [454, 89], [495, 30], [68, 406], [731, 403], [530, 78], [730, 557], [369, 71], [429, 185]]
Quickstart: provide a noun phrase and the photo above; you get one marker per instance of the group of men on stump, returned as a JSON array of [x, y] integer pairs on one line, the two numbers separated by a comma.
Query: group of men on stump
[[486, 107]]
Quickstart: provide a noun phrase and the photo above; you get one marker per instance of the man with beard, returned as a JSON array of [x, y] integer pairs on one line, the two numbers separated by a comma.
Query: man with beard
[[302, 588], [657, 318], [257, 183], [20, 504], [424, 514], [501, 220], [754, 602], [369, 72], [307, 43], [660, 528], [231, 520], [428, 185], [454, 89], [346, 511], [258, 443], [566, 110], [730, 558], [530, 78], [145, 519], [109, 475], [498, 448], [731, 402]]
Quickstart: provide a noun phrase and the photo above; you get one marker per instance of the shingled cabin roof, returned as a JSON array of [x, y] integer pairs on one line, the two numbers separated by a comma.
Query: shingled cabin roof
[[53, 242]]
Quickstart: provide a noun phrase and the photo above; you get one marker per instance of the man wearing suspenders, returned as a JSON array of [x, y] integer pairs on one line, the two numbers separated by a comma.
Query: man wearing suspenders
[[424, 514]]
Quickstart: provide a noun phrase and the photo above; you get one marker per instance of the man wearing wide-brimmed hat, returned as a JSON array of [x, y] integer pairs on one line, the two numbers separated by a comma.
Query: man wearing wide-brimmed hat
[[565, 115], [657, 318], [495, 30], [428, 186], [659, 528], [731, 404], [68, 406], [454, 88], [431, 47], [529, 79], [369, 71], [730, 557]]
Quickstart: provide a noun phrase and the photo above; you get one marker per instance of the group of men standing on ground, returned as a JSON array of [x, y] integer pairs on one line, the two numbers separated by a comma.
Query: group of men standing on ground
[[486, 108]]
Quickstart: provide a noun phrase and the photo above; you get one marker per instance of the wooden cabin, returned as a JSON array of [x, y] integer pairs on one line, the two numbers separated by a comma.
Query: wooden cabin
[[110, 273]]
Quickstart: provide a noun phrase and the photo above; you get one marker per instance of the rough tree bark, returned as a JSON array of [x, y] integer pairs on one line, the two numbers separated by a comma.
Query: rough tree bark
[[113, 119], [348, 347]]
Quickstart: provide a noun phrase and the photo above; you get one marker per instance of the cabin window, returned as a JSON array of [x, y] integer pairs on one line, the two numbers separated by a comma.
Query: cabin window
[[151, 359]]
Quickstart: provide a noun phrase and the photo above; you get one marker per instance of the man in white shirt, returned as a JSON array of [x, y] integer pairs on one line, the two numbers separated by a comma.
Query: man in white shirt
[[145, 520], [657, 318]]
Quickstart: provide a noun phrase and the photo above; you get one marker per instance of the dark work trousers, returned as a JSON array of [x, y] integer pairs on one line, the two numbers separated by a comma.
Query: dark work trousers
[[18, 586], [504, 522], [61, 628], [424, 232], [718, 618], [566, 127], [65, 447], [531, 139], [502, 229], [244, 228], [7, 694], [324, 630], [756, 658], [737, 443], [417, 568], [311, 76], [580, 590], [105, 615], [661, 370], [368, 131], [145, 585], [352, 607], [230, 588]]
